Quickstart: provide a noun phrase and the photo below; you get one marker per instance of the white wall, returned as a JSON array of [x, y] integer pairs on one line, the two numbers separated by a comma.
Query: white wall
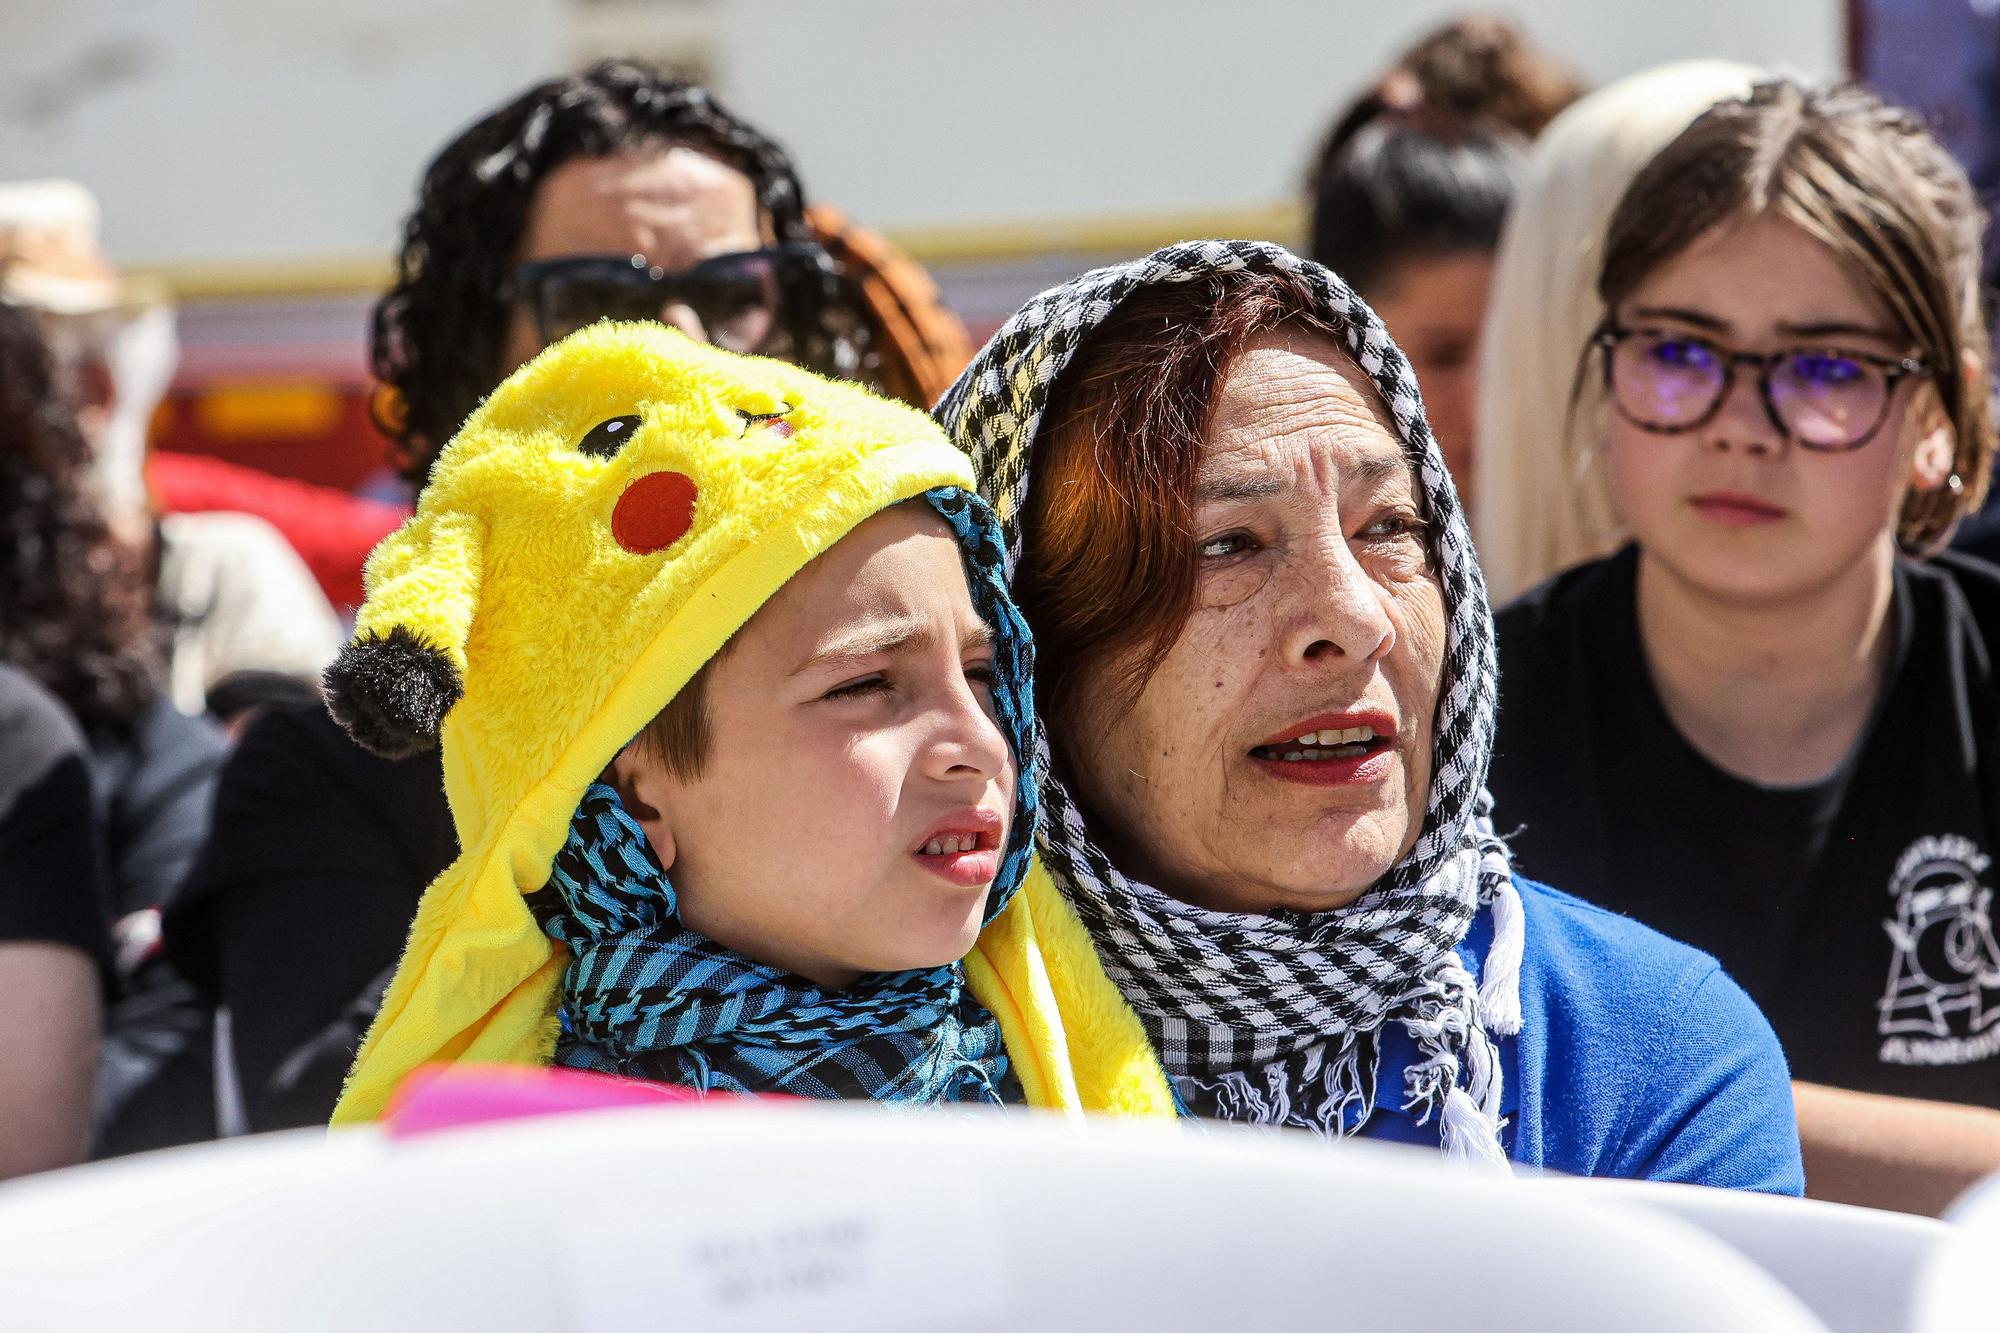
[[927, 112], [292, 131], [228, 131]]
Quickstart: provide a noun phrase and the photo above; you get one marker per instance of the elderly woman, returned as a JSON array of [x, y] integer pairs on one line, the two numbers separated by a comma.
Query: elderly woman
[[1267, 668]]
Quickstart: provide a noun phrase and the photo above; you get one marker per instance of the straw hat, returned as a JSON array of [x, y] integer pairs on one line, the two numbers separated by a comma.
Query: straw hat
[[50, 259]]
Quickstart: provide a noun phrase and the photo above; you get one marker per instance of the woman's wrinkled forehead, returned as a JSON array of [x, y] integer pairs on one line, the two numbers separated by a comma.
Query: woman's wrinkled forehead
[[1295, 379], [1294, 411]]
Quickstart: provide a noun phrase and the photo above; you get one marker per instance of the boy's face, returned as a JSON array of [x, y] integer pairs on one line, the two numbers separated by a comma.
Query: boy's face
[[852, 747]]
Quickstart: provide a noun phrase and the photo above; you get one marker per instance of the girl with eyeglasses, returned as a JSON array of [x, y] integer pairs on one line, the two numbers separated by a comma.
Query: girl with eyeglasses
[[1770, 724]]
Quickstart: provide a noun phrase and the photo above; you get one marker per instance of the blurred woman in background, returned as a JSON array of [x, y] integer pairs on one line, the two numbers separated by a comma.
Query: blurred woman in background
[[243, 618], [1409, 191], [77, 617], [1768, 725], [1537, 506]]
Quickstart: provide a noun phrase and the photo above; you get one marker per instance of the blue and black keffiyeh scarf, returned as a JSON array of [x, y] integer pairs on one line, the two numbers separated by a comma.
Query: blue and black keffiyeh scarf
[[647, 997]]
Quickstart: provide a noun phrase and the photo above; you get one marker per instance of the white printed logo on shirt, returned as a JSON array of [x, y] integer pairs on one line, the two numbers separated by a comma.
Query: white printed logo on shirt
[[1942, 1006]]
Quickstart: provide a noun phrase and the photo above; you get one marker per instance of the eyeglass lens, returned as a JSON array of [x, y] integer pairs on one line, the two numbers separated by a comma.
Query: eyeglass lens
[[1824, 399], [731, 301]]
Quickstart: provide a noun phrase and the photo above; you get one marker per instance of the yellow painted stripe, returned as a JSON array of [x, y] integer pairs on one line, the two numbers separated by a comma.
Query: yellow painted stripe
[[243, 411], [300, 277], [1127, 236]]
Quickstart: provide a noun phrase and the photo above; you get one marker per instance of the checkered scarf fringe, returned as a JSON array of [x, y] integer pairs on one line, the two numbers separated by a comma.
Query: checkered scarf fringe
[[1277, 1019], [644, 996]]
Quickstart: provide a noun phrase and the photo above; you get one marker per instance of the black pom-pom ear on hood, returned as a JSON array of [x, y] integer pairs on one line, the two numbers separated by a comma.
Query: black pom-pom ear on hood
[[392, 686], [391, 692]]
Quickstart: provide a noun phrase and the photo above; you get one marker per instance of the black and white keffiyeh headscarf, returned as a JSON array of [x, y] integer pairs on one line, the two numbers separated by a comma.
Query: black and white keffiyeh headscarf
[[1278, 1019]]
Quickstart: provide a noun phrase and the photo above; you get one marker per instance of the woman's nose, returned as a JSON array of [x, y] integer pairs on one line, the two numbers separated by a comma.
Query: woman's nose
[[683, 317], [1334, 610]]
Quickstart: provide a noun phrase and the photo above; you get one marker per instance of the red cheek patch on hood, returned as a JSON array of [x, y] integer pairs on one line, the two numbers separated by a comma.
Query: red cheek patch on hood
[[655, 512]]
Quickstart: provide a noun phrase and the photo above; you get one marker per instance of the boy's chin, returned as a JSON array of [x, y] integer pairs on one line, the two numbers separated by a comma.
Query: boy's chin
[[939, 948]]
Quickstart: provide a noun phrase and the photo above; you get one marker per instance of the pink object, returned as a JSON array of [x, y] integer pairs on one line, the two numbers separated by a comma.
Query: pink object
[[446, 1096]]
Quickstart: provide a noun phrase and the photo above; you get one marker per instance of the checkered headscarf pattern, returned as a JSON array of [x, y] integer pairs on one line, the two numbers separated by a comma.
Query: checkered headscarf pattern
[[1277, 1018]]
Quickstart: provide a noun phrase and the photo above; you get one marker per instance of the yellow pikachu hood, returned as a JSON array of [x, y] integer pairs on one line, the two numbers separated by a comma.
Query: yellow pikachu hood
[[592, 536]]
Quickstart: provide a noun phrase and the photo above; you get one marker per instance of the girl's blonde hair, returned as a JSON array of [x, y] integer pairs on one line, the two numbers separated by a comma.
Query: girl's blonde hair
[[1540, 503], [1867, 181]]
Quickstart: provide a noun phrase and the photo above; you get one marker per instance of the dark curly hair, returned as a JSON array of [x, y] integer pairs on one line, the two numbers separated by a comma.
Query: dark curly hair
[[76, 607], [438, 332]]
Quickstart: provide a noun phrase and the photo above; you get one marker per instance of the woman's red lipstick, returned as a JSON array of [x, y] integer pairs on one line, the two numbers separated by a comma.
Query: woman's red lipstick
[[1736, 509], [963, 848], [1305, 752]]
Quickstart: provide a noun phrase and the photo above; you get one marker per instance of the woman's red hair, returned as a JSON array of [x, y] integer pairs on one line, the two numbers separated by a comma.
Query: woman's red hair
[[1107, 571]]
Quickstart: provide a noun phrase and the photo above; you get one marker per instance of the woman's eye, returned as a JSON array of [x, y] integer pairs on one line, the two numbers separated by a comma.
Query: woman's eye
[[1389, 527], [982, 674], [859, 689], [1447, 354], [1683, 354], [1228, 544], [1826, 369]]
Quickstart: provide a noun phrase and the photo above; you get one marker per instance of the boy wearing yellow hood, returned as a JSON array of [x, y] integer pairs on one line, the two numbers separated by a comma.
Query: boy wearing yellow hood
[[732, 699]]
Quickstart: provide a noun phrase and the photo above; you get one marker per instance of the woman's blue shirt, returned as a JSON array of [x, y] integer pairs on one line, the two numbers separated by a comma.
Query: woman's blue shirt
[[1638, 1057]]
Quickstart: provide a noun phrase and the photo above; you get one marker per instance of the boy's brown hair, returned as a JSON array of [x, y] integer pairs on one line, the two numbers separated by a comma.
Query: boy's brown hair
[[678, 735]]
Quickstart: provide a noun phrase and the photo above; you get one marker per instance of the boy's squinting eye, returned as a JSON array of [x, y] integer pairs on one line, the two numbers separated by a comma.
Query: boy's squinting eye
[[859, 688], [606, 438]]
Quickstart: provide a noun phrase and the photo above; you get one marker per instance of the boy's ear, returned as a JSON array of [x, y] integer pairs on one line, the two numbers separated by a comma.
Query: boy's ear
[[637, 778], [392, 686]]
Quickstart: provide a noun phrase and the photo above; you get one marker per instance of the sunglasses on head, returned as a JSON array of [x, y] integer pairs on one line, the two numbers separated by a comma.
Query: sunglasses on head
[[737, 300]]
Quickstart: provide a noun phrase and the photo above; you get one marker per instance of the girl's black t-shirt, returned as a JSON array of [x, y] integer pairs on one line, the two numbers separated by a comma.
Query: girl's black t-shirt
[[1858, 911]]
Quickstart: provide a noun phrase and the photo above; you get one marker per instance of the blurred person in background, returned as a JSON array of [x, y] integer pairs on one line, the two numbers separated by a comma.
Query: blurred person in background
[[55, 939], [619, 192], [1409, 191], [1770, 725], [1539, 504], [77, 615], [245, 618]]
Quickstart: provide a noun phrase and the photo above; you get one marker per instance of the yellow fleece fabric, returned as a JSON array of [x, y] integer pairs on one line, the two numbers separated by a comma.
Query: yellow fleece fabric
[[566, 644]]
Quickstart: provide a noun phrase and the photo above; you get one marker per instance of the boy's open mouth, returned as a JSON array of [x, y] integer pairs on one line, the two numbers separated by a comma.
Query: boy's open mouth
[[964, 848]]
